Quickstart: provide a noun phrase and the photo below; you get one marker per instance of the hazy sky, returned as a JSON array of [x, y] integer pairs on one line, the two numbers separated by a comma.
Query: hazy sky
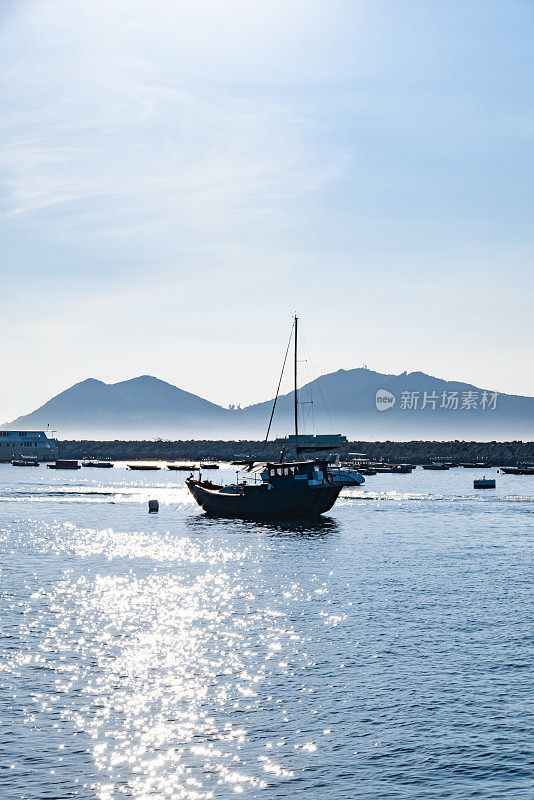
[[177, 178]]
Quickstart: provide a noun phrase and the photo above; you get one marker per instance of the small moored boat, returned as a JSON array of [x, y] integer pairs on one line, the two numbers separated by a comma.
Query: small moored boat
[[144, 467], [25, 462], [345, 475], [64, 464], [98, 464]]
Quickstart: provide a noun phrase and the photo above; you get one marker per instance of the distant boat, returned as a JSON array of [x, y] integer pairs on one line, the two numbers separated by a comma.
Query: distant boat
[[63, 464], [435, 466], [518, 470], [25, 462], [297, 489], [182, 467], [98, 464], [345, 475], [144, 467], [393, 468], [360, 462], [209, 466]]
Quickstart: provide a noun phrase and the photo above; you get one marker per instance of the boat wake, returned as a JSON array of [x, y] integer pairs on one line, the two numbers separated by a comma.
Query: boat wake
[[429, 498], [137, 495]]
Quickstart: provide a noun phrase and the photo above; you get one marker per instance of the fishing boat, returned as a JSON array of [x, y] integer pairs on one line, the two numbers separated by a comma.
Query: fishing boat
[[435, 466], [25, 462], [144, 467], [209, 466], [182, 467], [286, 489], [98, 464]]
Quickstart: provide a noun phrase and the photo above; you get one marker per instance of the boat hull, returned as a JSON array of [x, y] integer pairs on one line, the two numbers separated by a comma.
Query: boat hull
[[254, 502]]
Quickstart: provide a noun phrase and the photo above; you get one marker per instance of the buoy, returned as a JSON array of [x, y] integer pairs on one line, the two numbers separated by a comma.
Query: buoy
[[484, 483], [153, 505]]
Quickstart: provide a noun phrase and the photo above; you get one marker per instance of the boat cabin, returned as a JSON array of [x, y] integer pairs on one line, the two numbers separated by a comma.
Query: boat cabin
[[286, 472]]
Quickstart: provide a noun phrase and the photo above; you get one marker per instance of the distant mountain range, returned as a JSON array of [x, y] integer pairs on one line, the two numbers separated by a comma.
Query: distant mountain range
[[359, 403]]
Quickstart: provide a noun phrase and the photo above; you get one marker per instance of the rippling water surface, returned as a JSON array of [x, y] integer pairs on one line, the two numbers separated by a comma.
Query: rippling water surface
[[383, 652]]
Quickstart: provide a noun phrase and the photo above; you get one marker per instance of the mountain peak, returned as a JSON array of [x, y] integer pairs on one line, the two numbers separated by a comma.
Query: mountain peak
[[147, 379], [89, 382], [143, 380]]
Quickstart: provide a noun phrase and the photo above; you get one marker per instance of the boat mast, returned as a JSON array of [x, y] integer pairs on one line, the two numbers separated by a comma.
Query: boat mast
[[295, 391], [279, 384]]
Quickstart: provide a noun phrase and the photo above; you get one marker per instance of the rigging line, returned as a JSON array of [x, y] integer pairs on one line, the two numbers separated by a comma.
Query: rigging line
[[309, 378], [279, 383], [318, 381]]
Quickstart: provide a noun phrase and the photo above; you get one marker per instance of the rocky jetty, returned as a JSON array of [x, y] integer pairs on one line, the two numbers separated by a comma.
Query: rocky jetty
[[414, 452]]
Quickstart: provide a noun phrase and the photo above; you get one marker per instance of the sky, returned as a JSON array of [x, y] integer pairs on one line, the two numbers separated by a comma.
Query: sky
[[177, 179]]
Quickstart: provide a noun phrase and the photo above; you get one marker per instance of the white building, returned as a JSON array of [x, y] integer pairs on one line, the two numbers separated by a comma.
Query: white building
[[33, 444]]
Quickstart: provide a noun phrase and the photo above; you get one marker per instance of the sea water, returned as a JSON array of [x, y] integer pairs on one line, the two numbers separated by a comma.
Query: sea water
[[383, 652]]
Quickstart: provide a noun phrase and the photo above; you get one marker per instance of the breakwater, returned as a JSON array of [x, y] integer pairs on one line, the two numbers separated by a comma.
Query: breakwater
[[414, 452]]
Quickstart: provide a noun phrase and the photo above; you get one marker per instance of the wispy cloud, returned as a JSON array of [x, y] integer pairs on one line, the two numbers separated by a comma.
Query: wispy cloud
[[118, 135]]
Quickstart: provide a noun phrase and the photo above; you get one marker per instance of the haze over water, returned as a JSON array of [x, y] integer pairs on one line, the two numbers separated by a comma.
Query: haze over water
[[384, 652]]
